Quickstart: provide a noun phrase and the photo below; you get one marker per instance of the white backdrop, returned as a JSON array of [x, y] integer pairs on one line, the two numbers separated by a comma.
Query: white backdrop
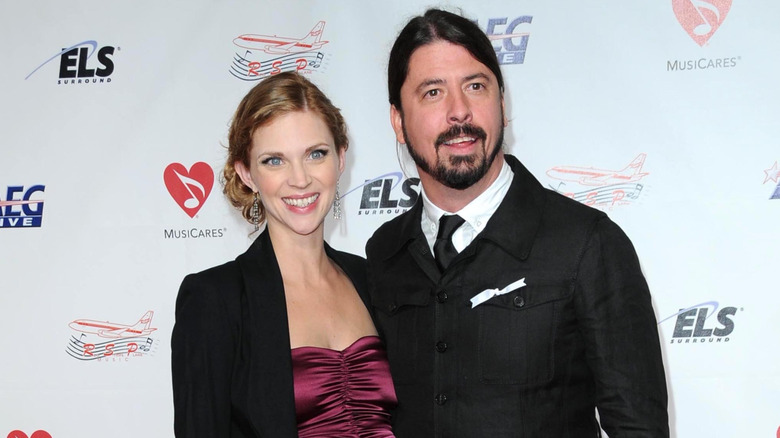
[[99, 224]]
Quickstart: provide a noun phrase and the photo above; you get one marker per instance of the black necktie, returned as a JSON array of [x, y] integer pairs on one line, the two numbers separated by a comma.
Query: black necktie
[[443, 249]]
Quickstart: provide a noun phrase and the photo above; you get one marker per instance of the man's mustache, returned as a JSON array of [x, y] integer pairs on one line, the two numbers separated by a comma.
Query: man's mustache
[[456, 131]]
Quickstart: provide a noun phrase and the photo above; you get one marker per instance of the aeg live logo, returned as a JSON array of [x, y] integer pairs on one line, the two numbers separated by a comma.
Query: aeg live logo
[[22, 207], [509, 38]]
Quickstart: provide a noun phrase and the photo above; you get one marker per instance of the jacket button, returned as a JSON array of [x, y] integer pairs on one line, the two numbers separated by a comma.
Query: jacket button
[[519, 301], [441, 296], [440, 399], [392, 307], [441, 347]]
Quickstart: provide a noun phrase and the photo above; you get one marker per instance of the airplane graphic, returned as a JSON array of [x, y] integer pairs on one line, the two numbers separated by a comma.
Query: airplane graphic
[[107, 329], [283, 45], [590, 176]]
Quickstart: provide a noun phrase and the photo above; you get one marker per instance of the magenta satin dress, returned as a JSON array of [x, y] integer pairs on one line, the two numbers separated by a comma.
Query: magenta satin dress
[[345, 393]]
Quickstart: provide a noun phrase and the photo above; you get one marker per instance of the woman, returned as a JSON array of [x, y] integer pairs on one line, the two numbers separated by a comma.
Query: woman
[[279, 342]]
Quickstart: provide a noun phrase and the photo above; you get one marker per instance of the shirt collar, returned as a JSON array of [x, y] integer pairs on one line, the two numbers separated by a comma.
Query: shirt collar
[[476, 213]]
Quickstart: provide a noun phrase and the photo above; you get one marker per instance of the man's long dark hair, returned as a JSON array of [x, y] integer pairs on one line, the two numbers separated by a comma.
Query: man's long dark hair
[[437, 25]]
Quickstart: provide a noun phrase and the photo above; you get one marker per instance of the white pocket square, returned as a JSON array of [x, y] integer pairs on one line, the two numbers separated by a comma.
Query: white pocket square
[[490, 293]]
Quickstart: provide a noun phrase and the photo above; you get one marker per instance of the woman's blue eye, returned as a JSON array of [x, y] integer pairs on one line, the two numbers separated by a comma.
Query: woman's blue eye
[[273, 161], [319, 153]]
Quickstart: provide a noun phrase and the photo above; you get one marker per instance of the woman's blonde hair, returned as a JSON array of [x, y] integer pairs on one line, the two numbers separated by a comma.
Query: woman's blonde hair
[[278, 95]]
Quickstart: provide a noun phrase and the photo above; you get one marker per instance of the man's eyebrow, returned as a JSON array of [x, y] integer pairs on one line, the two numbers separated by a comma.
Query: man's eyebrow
[[428, 82], [476, 76]]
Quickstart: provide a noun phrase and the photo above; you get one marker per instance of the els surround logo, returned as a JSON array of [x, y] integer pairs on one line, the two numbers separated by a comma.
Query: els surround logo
[[22, 207], [36, 434], [691, 325], [773, 174], [190, 189], [379, 197], [106, 341], [77, 67], [701, 19], [260, 56], [509, 38], [601, 188]]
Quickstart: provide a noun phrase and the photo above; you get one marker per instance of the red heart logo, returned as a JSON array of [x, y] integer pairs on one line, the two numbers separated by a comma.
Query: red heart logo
[[189, 188], [36, 434], [701, 18]]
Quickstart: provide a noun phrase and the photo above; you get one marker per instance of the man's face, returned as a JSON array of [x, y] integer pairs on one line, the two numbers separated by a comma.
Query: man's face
[[452, 120]]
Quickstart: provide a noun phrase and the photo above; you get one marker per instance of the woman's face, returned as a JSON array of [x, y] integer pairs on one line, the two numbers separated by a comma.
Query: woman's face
[[294, 166]]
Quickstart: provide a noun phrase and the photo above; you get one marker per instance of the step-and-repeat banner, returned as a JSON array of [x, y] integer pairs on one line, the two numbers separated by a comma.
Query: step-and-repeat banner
[[664, 114]]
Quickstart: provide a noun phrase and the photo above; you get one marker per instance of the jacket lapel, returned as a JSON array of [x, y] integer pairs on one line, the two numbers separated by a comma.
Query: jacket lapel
[[265, 349], [411, 238], [514, 225]]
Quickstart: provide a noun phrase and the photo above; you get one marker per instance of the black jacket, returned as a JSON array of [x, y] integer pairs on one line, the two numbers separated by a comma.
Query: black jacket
[[535, 362], [231, 360]]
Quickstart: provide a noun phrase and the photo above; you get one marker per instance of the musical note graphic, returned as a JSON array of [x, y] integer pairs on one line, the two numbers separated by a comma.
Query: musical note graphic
[[701, 18], [315, 63], [606, 197], [637, 191], [148, 346], [189, 189], [192, 202], [706, 27]]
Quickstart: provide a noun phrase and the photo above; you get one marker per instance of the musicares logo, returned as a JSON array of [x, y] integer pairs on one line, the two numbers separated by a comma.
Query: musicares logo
[[36, 434], [701, 19], [189, 188]]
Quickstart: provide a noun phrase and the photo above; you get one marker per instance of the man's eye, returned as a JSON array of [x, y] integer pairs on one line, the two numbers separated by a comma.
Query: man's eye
[[476, 86], [432, 93]]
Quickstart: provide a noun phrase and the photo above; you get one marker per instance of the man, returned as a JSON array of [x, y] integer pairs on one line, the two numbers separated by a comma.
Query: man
[[533, 314]]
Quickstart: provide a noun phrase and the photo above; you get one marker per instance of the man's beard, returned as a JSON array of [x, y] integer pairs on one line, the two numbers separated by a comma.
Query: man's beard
[[464, 170]]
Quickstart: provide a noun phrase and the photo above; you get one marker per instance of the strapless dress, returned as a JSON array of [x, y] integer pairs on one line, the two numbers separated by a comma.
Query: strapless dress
[[345, 393]]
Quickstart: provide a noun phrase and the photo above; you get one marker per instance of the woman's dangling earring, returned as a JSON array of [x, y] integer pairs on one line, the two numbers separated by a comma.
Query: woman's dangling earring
[[256, 211], [337, 204]]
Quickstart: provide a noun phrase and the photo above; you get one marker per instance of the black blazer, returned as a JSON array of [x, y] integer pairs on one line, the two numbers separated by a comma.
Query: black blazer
[[534, 362], [231, 361]]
